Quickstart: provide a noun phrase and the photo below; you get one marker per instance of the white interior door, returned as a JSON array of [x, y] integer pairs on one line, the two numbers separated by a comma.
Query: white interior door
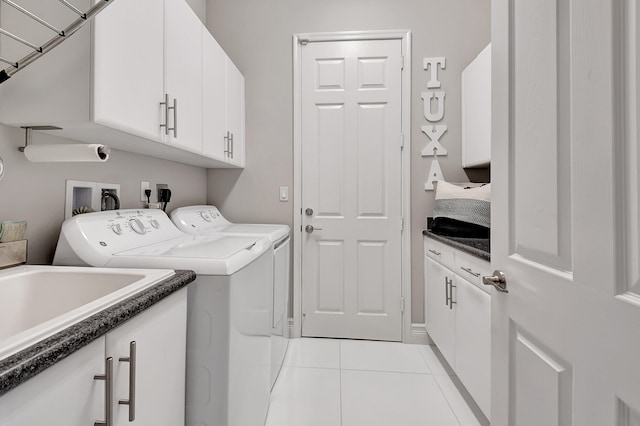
[[351, 186], [566, 338]]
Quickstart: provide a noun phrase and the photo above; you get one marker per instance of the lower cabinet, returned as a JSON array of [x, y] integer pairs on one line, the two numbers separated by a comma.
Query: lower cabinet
[[439, 312], [146, 356], [63, 395], [473, 341], [458, 316]]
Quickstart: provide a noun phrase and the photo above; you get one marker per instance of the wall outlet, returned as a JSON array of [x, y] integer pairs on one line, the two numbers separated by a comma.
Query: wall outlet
[[143, 187], [160, 186]]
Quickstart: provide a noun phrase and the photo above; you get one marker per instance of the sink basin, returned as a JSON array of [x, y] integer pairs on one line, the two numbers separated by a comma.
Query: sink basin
[[38, 301]]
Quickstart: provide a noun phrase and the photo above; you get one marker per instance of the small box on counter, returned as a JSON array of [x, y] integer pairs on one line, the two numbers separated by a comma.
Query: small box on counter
[[13, 253]]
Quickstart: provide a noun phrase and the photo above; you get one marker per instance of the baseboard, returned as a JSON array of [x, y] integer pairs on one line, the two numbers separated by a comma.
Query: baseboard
[[418, 335]]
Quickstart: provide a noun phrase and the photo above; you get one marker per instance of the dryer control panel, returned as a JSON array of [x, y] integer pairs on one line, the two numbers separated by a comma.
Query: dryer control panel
[[198, 218]]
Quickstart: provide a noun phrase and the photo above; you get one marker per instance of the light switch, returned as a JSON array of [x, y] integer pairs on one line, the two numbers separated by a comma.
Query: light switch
[[284, 193]]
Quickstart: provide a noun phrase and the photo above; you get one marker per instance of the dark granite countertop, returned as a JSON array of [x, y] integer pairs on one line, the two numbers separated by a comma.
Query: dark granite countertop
[[21, 366], [480, 247]]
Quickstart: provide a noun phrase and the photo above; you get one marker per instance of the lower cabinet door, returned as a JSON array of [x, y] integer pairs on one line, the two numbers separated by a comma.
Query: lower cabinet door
[[65, 394], [156, 392], [439, 314], [473, 342]]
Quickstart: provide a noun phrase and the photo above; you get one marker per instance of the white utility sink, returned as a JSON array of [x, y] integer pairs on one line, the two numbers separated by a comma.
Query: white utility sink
[[38, 301]]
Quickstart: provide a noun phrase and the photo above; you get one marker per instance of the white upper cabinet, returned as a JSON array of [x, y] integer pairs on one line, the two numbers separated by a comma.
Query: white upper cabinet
[[214, 94], [235, 114], [133, 80], [223, 105], [476, 111], [183, 75], [127, 67]]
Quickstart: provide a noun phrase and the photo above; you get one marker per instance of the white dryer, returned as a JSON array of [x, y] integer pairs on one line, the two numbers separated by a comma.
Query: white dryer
[[207, 220], [229, 320]]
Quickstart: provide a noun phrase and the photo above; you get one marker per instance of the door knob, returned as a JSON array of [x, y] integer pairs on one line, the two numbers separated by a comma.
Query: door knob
[[498, 280], [310, 229], [308, 212]]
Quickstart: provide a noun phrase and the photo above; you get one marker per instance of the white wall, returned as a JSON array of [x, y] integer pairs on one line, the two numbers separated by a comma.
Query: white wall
[[35, 192], [257, 35]]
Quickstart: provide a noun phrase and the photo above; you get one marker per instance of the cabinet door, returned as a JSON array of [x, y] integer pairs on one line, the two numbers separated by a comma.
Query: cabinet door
[[473, 341], [439, 316], [159, 334], [214, 93], [183, 75], [65, 394], [235, 112], [128, 67]]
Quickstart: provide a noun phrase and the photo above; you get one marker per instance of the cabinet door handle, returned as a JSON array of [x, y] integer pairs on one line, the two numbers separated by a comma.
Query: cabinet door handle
[[166, 114], [437, 253], [470, 271], [446, 291], [131, 402], [231, 140], [227, 145], [451, 287], [108, 392], [175, 117]]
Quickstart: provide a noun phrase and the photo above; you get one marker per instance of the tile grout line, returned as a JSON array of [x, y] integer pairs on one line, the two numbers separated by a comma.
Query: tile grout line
[[447, 399], [340, 379]]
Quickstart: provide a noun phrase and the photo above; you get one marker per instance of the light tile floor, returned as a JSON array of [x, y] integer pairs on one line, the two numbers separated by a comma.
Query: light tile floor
[[330, 382]]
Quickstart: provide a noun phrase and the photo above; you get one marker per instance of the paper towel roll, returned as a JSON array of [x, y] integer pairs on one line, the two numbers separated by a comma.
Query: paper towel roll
[[67, 153]]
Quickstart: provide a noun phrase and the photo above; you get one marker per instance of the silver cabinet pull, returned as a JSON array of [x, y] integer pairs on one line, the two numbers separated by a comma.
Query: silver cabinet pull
[[166, 114], [175, 117], [231, 141], [470, 271], [311, 228], [227, 145], [437, 253], [446, 291], [131, 402], [498, 280], [108, 392], [451, 287]]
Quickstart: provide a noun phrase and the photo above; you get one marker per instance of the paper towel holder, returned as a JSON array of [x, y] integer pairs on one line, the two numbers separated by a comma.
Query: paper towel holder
[[27, 133]]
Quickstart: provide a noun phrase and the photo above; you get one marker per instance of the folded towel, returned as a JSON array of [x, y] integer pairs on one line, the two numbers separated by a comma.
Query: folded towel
[[12, 231]]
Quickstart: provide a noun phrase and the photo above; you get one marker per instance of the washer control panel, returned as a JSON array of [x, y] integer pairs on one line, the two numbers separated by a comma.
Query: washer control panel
[[117, 230]]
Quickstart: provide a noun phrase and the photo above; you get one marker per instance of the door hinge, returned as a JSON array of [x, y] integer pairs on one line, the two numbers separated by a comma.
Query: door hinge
[[402, 62], [402, 304], [402, 223], [401, 141]]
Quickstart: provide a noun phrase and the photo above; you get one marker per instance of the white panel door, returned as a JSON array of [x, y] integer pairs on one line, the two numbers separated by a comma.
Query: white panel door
[[351, 180], [566, 338]]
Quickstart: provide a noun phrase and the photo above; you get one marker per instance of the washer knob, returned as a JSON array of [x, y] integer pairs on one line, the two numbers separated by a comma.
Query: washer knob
[[154, 223], [137, 226], [205, 217], [117, 229]]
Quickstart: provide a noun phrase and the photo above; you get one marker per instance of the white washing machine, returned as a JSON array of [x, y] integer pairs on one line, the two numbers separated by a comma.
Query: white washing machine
[[207, 220], [229, 319]]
